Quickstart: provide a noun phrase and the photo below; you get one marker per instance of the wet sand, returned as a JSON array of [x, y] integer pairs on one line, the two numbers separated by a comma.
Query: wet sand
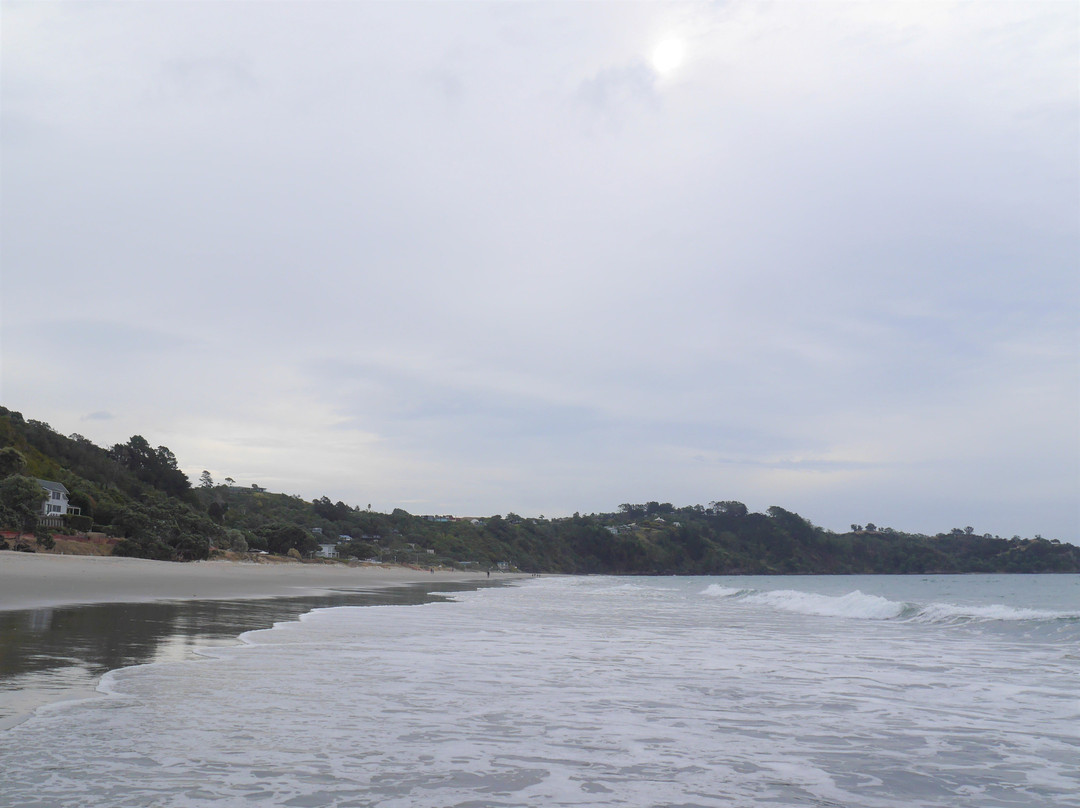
[[67, 620], [31, 580]]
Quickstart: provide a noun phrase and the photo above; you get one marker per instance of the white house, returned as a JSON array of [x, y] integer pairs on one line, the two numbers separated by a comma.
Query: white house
[[55, 505], [56, 499], [327, 551]]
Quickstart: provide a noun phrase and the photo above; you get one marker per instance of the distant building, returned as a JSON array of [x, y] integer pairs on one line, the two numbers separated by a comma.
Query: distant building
[[55, 505], [327, 551], [57, 500], [253, 487]]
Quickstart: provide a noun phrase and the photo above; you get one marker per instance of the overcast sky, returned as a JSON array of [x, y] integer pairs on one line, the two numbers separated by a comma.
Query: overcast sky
[[474, 257]]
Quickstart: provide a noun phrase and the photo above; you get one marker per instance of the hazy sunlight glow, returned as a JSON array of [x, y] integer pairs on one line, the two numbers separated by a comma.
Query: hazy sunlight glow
[[668, 56]]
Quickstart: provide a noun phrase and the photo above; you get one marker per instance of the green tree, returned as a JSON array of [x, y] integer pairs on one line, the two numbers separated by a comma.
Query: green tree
[[333, 511], [205, 480], [21, 499], [157, 467], [12, 461], [83, 501], [44, 538], [216, 511], [291, 537], [237, 541], [189, 547], [357, 548], [729, 507]]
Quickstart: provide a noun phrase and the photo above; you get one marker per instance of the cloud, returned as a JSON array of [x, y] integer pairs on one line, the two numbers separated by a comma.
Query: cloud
[[203, 80], [481, 256], [98, 415], [614, 87]]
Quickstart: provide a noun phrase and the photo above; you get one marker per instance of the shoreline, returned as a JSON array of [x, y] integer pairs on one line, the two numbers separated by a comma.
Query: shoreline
[[65, 621], [41, 581]]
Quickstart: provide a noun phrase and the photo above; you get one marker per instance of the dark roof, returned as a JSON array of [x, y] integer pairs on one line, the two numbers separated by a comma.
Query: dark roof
[[48, 486]]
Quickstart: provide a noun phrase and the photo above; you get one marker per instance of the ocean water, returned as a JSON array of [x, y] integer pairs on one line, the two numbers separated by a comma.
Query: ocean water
[[950, 691], [60, 653]]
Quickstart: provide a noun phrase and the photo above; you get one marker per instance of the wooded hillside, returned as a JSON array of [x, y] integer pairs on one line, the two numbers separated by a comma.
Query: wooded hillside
[[137, 493]]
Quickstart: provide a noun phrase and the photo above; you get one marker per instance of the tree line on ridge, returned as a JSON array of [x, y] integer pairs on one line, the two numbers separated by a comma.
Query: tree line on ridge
[[137, 493]]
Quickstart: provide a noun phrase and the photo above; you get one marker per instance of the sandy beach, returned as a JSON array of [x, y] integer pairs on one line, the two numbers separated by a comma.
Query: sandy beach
[[31, 580], [66, 620]]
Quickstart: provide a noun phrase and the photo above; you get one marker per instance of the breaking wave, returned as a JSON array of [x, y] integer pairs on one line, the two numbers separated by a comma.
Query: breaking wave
[[860, 606], [717, 591], [853, 604], [951, 613]]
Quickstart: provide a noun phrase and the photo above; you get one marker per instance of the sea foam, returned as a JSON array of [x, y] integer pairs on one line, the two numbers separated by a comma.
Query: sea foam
[[858, 605], [717, 591], [541, 694], [853, 604], [955, 613]]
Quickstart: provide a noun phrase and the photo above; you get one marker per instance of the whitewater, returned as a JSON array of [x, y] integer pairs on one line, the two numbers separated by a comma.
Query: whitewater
[[875, 691]]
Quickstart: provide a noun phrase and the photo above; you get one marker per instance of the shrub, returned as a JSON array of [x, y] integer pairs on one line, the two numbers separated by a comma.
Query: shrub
[[237, 541], [78, 523], [128, 547], [190, 548], [44, 538], [359, 549], [144, 549]]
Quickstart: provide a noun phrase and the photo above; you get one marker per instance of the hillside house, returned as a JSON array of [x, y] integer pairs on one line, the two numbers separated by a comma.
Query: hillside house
[[55, 505], [258, 489]]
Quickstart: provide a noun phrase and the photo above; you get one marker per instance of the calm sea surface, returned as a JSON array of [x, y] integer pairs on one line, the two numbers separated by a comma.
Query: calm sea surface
[[950, 691]]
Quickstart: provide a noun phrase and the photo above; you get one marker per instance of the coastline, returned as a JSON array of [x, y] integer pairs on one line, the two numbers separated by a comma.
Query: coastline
[[37, 581], [67, 620]]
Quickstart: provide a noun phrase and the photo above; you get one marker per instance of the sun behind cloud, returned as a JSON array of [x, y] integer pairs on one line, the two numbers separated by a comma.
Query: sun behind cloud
[[668, 55]]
